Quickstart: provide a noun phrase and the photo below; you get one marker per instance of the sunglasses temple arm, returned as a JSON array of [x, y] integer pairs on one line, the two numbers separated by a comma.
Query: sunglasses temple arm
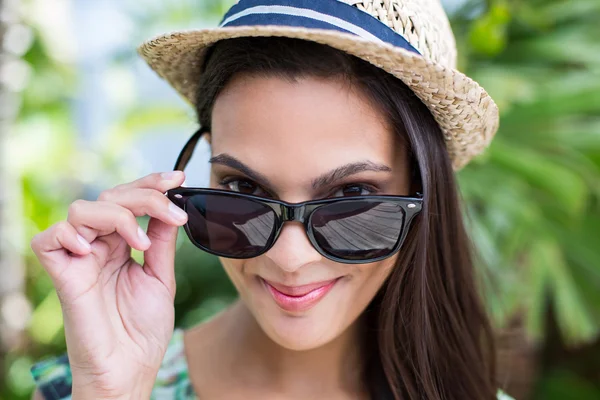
[[188, 149]]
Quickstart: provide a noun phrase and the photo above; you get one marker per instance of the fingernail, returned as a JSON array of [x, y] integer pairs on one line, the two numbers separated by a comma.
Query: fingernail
[[169, 176], [84, 242], [177, 212], [143, 237]]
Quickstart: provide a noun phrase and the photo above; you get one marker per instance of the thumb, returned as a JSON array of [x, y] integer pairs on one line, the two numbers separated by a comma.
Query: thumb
[[159, 259]]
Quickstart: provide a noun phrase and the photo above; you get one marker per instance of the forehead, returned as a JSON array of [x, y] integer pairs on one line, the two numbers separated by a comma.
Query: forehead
[[313, 123]]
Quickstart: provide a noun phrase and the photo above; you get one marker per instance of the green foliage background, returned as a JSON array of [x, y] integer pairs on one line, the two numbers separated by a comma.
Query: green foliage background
[[532, 199]]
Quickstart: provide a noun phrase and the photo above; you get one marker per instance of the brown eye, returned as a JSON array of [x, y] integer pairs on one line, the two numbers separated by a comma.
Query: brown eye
[[353, 190], [244, 186]]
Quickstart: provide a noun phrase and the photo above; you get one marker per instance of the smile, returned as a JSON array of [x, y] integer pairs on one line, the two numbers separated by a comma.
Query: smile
[[299, 298]]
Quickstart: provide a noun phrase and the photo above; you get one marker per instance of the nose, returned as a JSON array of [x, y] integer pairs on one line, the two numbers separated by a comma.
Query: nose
[[292, 249]]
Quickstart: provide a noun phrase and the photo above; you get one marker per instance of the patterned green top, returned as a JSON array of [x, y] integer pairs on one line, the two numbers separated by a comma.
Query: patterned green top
[[53, 376]]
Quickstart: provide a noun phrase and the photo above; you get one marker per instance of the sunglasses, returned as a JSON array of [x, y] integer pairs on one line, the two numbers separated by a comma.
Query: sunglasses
[[352, 230]]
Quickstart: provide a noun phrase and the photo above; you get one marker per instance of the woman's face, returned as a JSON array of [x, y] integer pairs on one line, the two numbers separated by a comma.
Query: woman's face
[[298, 141]]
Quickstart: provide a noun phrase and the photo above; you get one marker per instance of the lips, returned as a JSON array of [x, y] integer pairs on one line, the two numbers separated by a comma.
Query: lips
[[298, 290], [298, 298]]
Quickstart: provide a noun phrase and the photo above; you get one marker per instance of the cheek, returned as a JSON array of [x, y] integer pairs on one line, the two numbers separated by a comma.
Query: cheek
[[235, 271], [367, 281]]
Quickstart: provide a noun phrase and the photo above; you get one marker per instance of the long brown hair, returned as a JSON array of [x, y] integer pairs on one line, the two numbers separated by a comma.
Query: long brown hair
[[427, 333]]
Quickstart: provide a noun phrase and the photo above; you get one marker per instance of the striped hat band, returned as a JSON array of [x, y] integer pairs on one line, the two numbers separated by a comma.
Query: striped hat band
[[328, 14]]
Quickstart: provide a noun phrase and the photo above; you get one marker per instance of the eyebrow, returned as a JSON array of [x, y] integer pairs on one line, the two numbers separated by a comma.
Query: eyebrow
[[232, 162], [347, 170], [326, 179]]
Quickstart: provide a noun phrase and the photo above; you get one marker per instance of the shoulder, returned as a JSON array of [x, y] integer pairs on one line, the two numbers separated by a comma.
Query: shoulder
[[503, 396], [53, 378]]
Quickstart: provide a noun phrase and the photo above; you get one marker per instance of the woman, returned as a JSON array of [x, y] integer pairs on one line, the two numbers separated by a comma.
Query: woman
[[332, 206]]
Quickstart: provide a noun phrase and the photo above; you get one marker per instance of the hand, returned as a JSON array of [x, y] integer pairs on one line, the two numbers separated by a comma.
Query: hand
[[118, 314]]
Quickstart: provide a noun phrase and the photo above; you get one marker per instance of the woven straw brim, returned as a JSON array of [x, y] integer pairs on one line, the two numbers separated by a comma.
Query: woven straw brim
[[467, 115]]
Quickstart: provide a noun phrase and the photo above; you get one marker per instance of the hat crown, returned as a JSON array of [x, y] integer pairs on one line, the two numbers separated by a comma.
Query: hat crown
[[423, 23]]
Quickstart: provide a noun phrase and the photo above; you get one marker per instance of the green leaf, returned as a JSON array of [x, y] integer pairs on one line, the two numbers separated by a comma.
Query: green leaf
[[575, 321], [562, 384], [536, 291], [488, 34], [563, 185]]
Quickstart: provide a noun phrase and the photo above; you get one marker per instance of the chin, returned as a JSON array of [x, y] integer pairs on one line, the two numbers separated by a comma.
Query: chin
[[299, 333]]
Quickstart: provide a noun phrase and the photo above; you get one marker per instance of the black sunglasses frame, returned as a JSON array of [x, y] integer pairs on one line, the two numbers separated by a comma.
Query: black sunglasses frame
[[288, 212], [300, 212]]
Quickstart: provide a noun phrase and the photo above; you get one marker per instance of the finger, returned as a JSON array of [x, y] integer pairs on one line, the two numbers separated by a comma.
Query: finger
[[158, 181], [146, 202], [159, 259], [53, 245], [92, 219]]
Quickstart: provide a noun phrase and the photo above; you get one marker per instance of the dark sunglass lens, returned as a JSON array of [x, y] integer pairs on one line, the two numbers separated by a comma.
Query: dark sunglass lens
[[358, 230], [230, 226]]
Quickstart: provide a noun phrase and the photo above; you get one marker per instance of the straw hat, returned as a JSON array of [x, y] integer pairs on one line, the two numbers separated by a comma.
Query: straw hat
[[410, 39]]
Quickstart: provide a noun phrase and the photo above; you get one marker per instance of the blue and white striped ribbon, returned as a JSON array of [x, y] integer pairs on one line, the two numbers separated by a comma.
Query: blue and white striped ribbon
[[321, 14]]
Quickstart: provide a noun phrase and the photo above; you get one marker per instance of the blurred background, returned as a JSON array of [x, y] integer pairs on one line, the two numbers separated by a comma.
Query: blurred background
[[80, 112]]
